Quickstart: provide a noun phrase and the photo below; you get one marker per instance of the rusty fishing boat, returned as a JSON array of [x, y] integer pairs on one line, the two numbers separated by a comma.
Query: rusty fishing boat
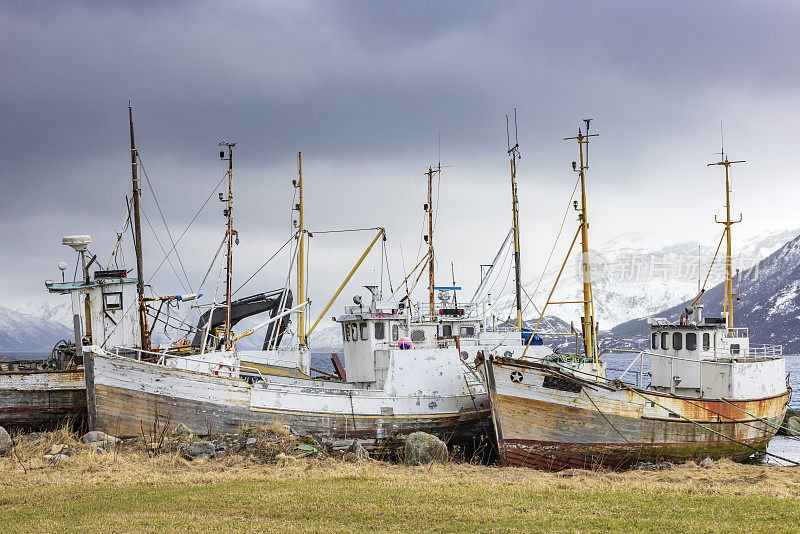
[[712, 393]]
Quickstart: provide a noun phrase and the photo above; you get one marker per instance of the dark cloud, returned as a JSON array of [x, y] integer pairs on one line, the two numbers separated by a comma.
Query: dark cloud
[[363, 89]]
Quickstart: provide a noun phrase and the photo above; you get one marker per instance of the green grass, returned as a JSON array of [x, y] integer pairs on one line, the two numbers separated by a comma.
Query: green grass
[[359, 503]]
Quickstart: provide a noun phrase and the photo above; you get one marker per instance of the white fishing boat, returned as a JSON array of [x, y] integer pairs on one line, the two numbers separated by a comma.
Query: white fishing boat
[[387, 387], [712, 393]]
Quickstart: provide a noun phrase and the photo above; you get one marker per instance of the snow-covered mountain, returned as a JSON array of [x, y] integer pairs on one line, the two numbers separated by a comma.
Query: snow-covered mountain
[[57, 308], [769, 294], [633, 279], [25, 333]]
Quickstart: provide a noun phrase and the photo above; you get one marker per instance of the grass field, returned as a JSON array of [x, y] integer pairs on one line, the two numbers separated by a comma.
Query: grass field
[[131, 492]]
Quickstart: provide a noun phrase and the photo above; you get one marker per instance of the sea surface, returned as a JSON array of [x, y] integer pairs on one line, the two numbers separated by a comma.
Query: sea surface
[[785, 446]]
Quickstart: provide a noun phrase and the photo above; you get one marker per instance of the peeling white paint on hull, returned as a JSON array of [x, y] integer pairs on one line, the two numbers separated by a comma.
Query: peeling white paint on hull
[[132, 397]]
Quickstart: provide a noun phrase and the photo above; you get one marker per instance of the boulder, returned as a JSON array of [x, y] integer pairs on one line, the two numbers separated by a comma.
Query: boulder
[[706, 463], [183, 431], [59, 449], [198, 449], [793, 426], [97, 438], [54, 458], [649, 466], [356, 453], [422, 448], [5, 441]]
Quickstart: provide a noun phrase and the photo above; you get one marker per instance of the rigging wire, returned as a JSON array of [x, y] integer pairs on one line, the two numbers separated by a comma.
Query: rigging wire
[[163, 219], [214, 190], [166, 255], [266, 262]]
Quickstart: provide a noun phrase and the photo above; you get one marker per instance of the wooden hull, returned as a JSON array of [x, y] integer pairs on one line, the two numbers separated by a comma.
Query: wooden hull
[[133, 398], [549, 420], [40, 400]]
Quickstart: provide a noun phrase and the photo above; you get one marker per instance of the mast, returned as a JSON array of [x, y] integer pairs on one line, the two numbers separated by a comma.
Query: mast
[[429, 238], [729, 294], [589, 325], [301, 254], [228, 212], [513, 153], [144, 337]]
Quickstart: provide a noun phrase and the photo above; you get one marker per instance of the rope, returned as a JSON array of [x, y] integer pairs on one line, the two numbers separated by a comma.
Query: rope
[[606, 418]]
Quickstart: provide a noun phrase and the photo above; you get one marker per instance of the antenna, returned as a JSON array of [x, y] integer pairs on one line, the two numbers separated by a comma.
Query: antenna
[[721, 140]]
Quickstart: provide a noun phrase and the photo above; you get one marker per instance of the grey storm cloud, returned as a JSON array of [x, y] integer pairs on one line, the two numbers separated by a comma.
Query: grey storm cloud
[[364, 89]]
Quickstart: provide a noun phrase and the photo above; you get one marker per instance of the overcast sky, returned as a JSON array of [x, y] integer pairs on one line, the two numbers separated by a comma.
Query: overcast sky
[[364, 89]]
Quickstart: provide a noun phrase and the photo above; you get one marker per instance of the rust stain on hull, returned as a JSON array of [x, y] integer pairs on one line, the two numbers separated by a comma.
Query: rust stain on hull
[[585, 424]]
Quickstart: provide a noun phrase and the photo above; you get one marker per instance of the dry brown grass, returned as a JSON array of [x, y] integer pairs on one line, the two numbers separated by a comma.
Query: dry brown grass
[[131, 463]]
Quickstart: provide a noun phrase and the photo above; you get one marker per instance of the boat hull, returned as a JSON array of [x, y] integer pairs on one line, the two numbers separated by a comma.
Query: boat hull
[[134, 398], [547, 419], [41, 400]]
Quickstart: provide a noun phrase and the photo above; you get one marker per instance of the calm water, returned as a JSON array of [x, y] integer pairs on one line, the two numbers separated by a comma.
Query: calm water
[[785, 446]]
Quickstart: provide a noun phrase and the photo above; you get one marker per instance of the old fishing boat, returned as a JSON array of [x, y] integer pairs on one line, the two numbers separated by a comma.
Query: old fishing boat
[[712, 392], [43, 394], [388, 386]]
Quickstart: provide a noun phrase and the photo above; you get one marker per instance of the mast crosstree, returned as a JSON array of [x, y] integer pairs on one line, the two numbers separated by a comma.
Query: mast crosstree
[[729, 293], [588, 322]]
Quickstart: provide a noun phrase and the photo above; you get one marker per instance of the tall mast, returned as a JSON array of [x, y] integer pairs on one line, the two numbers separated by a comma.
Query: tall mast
[[301, 254], [589, 325], [144, 337], [513, 153], [228, 212], [429, 209], [729, 294]]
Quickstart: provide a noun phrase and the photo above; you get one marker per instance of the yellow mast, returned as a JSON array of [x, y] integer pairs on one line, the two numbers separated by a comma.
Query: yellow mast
[[231, 232], [589, 325], [729, 294], [301, 254], [513, 153], [429, 209]]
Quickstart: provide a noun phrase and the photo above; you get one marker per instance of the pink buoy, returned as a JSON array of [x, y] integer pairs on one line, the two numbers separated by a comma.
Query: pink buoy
[[404, 343]]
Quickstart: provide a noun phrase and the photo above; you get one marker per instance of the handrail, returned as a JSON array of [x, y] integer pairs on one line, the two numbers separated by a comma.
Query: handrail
[[233, 365]]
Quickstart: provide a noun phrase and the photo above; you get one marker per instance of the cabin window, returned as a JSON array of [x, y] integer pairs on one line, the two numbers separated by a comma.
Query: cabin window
[[677, 341], [654, 341], [447, 330], [691, 341], [346, 328], [735, 349], [665, 340], [418, 335], [395, 332], [364, 331], [380, 330], [467, 331], [706, 341], [112, 301], [354, 331]]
